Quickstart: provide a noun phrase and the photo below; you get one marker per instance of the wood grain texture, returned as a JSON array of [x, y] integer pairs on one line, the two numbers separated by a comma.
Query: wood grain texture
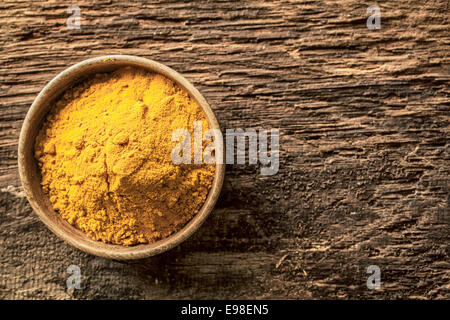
[[364, 117]]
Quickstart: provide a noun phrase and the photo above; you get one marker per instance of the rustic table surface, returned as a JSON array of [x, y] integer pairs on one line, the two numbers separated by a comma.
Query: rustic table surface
[[364, 120]]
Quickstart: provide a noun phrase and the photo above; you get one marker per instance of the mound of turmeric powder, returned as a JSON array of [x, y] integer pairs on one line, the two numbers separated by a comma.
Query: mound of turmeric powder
[[104, 152]]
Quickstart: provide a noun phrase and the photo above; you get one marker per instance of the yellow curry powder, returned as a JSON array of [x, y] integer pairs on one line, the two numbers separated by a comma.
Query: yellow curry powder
[[105, 157]]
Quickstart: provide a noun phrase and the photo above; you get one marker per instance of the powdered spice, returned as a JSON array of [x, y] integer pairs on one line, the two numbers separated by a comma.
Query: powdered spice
[[105, 157]]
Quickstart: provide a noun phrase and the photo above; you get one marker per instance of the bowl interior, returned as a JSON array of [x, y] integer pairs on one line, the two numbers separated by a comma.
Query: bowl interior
[[30, 175]]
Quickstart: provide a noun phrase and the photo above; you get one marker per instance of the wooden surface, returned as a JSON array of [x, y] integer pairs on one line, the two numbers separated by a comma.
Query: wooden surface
[[364, 118]]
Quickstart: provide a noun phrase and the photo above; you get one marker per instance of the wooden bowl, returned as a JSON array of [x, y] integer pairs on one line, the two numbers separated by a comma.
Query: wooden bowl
[[31, 178]]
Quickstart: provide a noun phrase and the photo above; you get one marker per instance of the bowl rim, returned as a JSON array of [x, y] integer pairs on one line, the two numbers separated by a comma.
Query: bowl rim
[[27, 169]]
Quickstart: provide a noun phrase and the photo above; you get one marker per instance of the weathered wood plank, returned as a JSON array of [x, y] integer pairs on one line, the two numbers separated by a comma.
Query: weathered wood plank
[[364, 117]]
